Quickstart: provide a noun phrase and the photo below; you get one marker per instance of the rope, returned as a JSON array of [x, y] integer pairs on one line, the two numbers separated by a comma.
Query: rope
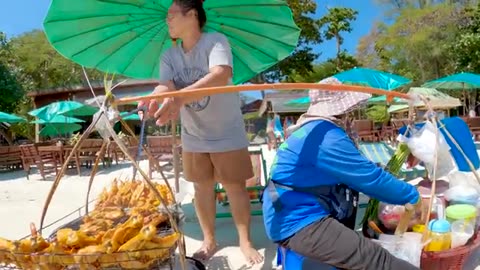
[[142, 135]]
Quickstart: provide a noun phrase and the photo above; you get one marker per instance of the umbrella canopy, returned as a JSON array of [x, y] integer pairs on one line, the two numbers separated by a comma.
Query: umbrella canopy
[[300, 102], [10, 118], [58, 119], [128, 36], [383, 99], [459, 81], [66, 108], [51, 130], [132, 117], [437, 99], [371, 77]]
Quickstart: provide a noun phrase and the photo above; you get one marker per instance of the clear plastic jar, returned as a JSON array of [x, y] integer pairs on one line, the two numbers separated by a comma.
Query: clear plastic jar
[[439, 235]]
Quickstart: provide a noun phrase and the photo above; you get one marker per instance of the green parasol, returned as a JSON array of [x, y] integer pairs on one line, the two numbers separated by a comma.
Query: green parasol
[[10, 118], [131, 117], [459, 81], [373, 78], [299, 102], [128, 36], [58, 119], [66, 108], [51, 130]]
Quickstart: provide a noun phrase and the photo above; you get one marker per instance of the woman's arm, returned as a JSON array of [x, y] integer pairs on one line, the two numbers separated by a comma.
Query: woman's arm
[[339, 158], [220, 62]]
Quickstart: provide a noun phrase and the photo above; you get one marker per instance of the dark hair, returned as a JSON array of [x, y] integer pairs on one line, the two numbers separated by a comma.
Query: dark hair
[[197, 5]]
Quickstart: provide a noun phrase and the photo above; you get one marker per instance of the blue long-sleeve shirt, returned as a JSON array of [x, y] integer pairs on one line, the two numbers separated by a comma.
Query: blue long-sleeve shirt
[[317, 154]]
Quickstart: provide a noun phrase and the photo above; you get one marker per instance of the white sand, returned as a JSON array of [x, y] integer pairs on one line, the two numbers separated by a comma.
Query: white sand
[[22, 200]]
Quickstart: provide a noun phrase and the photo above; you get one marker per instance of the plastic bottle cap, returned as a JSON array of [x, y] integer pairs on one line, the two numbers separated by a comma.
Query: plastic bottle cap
[[439, 226], [461, 211]]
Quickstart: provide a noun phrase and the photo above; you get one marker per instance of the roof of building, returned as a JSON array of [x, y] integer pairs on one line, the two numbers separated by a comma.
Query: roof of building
[[275, 102], [95, 86]]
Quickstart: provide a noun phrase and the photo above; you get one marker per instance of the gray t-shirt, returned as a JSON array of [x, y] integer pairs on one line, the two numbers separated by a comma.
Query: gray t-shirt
[[215, 123]]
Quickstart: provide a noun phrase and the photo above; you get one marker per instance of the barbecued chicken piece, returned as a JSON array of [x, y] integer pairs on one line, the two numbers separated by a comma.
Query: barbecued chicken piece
[[62, 255], [5, 244], [137, 242], [127, 231], [74, 239], [5, 247], [90, 254], [159, 246]]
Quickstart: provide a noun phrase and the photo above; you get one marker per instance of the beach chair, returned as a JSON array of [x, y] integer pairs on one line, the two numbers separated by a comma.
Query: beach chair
[[255, 185]]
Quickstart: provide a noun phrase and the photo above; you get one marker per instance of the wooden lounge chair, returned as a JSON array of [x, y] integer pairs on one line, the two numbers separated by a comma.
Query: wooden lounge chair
[[45, 163]]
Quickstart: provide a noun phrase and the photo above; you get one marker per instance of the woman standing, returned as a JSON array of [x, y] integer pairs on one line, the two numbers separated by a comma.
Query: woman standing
[[214, 140]]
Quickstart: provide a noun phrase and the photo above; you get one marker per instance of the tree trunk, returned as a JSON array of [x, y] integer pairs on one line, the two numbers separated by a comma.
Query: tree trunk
[[258, 79], [7, 136], [337, 37]]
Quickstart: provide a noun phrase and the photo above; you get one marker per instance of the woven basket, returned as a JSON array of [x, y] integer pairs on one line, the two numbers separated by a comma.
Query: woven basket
[[453, 259]]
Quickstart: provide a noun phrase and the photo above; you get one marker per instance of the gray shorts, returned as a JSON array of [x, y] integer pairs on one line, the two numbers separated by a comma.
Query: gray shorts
[[330, 242]]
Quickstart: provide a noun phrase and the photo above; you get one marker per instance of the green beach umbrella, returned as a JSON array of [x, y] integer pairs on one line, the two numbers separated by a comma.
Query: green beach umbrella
[[298, 102], [131, 117], [459, 81], [129, 36], [58, 119], [383, 99], [10, 118], [56, 129], [66, 108], [372, 78]]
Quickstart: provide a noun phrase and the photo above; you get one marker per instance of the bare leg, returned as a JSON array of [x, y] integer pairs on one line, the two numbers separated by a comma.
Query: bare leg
[[206, 210], [240, 205]]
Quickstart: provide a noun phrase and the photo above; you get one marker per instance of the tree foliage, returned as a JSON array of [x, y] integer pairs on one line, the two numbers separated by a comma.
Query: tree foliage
[[10, 89], [300, 61], [417, 45], [466, 48], [42, 67]]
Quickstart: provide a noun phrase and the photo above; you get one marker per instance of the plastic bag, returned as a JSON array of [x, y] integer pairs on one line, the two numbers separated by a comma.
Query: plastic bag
[[407, 247], [390, 215], [458, 178], [422, 144], [462, 194]]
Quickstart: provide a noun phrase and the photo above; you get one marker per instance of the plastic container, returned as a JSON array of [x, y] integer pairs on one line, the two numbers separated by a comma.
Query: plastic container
[[461, 233], [465, 212], [439, 235], [437, 211]]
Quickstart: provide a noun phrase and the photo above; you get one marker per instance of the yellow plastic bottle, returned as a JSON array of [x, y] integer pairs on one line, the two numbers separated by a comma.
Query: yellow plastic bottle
[[439, 235]]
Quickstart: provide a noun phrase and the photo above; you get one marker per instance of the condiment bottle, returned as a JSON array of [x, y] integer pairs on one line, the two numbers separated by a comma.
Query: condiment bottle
[[439, 235]]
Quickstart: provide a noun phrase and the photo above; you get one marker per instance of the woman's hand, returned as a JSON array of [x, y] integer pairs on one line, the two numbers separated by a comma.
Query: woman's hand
[[152, 105], [168, 111]]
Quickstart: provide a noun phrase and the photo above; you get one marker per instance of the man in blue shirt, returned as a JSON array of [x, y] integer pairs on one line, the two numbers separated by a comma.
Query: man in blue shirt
[[309, 188]]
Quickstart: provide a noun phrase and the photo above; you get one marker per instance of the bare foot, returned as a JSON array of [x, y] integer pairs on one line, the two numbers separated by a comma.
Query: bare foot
[[207, 250], [251, 254]]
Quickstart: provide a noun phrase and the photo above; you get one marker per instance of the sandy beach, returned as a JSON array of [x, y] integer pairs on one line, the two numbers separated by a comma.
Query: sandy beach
[[22, 201]]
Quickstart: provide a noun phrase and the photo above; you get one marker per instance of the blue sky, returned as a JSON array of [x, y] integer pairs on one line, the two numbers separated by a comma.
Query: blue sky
[[18, 16]]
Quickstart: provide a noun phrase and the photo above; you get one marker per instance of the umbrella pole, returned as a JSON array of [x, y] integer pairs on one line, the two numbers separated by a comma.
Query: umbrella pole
[[147, 152]]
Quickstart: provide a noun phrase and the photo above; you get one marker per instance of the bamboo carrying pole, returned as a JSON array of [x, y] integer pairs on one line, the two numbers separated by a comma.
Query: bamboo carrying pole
[[257, 87]]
